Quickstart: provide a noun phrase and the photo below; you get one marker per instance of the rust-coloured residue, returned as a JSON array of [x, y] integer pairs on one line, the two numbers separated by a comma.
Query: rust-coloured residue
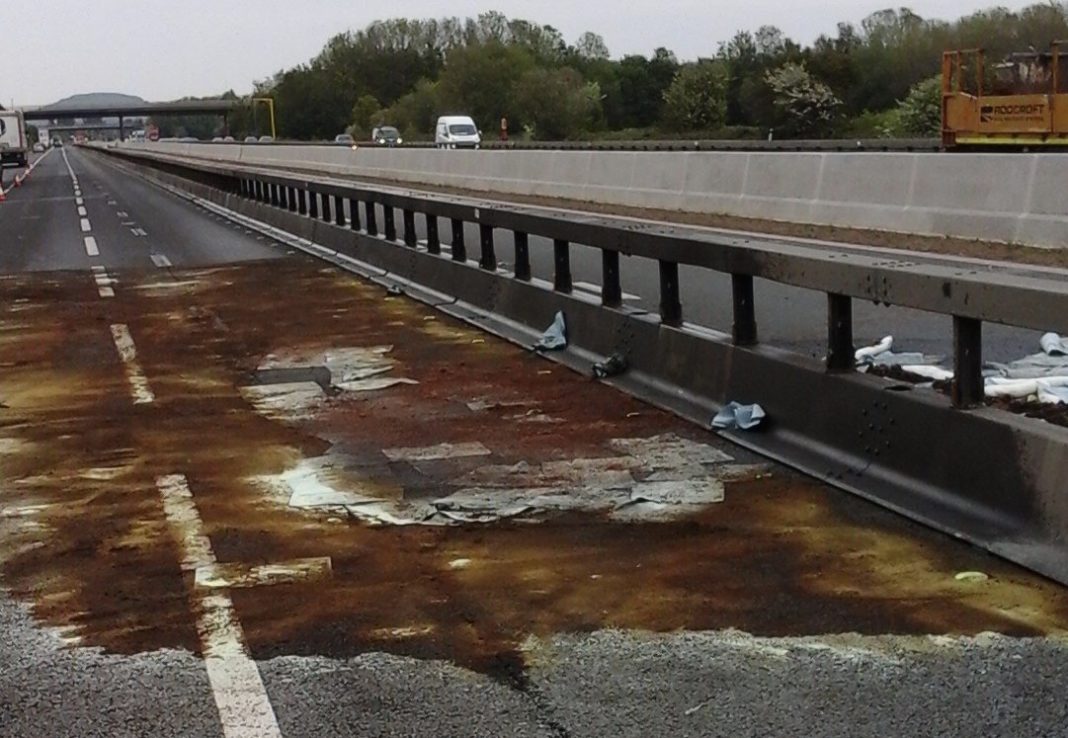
[[83, 537]]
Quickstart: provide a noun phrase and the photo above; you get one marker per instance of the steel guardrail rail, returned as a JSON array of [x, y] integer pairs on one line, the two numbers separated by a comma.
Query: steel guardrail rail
[[876, 145], [1015, 296], [979, 473]]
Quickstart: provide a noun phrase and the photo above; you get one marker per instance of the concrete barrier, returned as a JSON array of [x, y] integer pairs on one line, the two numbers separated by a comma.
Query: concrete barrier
[[1015, 198]]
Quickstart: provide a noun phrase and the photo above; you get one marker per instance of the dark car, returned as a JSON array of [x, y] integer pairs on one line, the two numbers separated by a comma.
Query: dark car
[[386, 136]]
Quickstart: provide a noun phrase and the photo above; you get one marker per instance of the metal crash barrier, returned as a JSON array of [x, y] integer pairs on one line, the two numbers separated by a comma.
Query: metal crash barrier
[[992, 477]]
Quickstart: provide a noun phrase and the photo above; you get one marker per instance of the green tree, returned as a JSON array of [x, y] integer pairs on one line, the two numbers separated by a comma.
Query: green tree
[[480, 80], [366, 114], [806, 106], [556, 104], [920, 113], [697, 98], [414, 114]]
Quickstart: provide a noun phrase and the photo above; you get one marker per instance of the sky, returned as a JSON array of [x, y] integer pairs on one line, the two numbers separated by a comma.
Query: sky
[[163, 50]]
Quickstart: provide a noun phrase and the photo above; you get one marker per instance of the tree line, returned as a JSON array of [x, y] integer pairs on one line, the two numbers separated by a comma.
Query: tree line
[[875, 79]]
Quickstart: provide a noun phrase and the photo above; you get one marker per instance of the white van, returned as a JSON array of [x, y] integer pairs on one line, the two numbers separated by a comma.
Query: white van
[[457, 132]]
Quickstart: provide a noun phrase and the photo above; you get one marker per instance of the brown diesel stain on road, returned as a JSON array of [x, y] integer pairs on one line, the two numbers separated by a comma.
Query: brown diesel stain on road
[[84, 541]]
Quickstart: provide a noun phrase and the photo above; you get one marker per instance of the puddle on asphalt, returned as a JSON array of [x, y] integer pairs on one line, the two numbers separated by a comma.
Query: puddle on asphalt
[[276, 480]]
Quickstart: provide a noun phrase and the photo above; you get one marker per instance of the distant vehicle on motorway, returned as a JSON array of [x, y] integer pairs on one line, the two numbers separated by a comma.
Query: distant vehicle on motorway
[[386, 136], [344, 139], [38, 148], [266, 139], [457, 132], [251, 139], [57, 143], [14, 146]]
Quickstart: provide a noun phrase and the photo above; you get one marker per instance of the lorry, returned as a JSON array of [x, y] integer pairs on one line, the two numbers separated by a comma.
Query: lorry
[[14, 147]]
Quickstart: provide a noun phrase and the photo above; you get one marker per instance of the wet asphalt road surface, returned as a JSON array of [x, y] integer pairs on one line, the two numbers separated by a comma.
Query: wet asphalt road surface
[[786, 609]]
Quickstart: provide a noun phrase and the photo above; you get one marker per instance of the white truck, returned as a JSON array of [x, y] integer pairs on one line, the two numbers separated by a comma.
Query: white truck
[[14, 148]]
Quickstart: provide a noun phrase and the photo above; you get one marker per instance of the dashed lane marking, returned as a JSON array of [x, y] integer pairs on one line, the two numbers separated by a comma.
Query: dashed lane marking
[[86, 225], [122, 214], [103, 281], [81, 209], [139, 232], [79, 201], [142, 393], [244, 708], [91, 247], [161, 261]]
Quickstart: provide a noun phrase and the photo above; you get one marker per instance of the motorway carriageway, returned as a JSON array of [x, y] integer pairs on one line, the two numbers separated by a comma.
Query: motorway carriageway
[[207, 443]]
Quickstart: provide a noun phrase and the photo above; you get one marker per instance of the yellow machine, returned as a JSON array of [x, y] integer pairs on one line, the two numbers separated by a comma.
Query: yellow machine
[[1021, 102]]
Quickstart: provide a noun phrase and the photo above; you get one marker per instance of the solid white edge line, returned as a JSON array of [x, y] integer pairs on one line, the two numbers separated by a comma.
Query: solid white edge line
[[142, 393], [90, 246], [241, 698]]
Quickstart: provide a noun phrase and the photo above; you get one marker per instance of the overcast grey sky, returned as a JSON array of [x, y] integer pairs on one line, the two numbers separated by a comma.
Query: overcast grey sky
[[162, 49]]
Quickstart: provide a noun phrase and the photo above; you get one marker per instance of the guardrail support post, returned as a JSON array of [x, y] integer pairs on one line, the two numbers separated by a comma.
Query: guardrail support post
[[275, 195], [459, 248], [302, 201], [433, 240], [968, 389], [283, 197], [390, 222], [670, 302], [293, 192], [561, 265], [256, 190], [841, 352], [339, 210], [326, 207], [354, 214], [488, 258], [313, 204], [369, 213], [522, 255], [611, 288], [410, 238], [744, 329]]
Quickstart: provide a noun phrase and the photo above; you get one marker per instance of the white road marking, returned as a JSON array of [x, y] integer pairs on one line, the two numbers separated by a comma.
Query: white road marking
[[139, 232], [79, 201], [122, 214], [103, 281], [81, 209], [90, 246], [244, 708], [142, 393], [70, 169], [86, 225], [161, 261]]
